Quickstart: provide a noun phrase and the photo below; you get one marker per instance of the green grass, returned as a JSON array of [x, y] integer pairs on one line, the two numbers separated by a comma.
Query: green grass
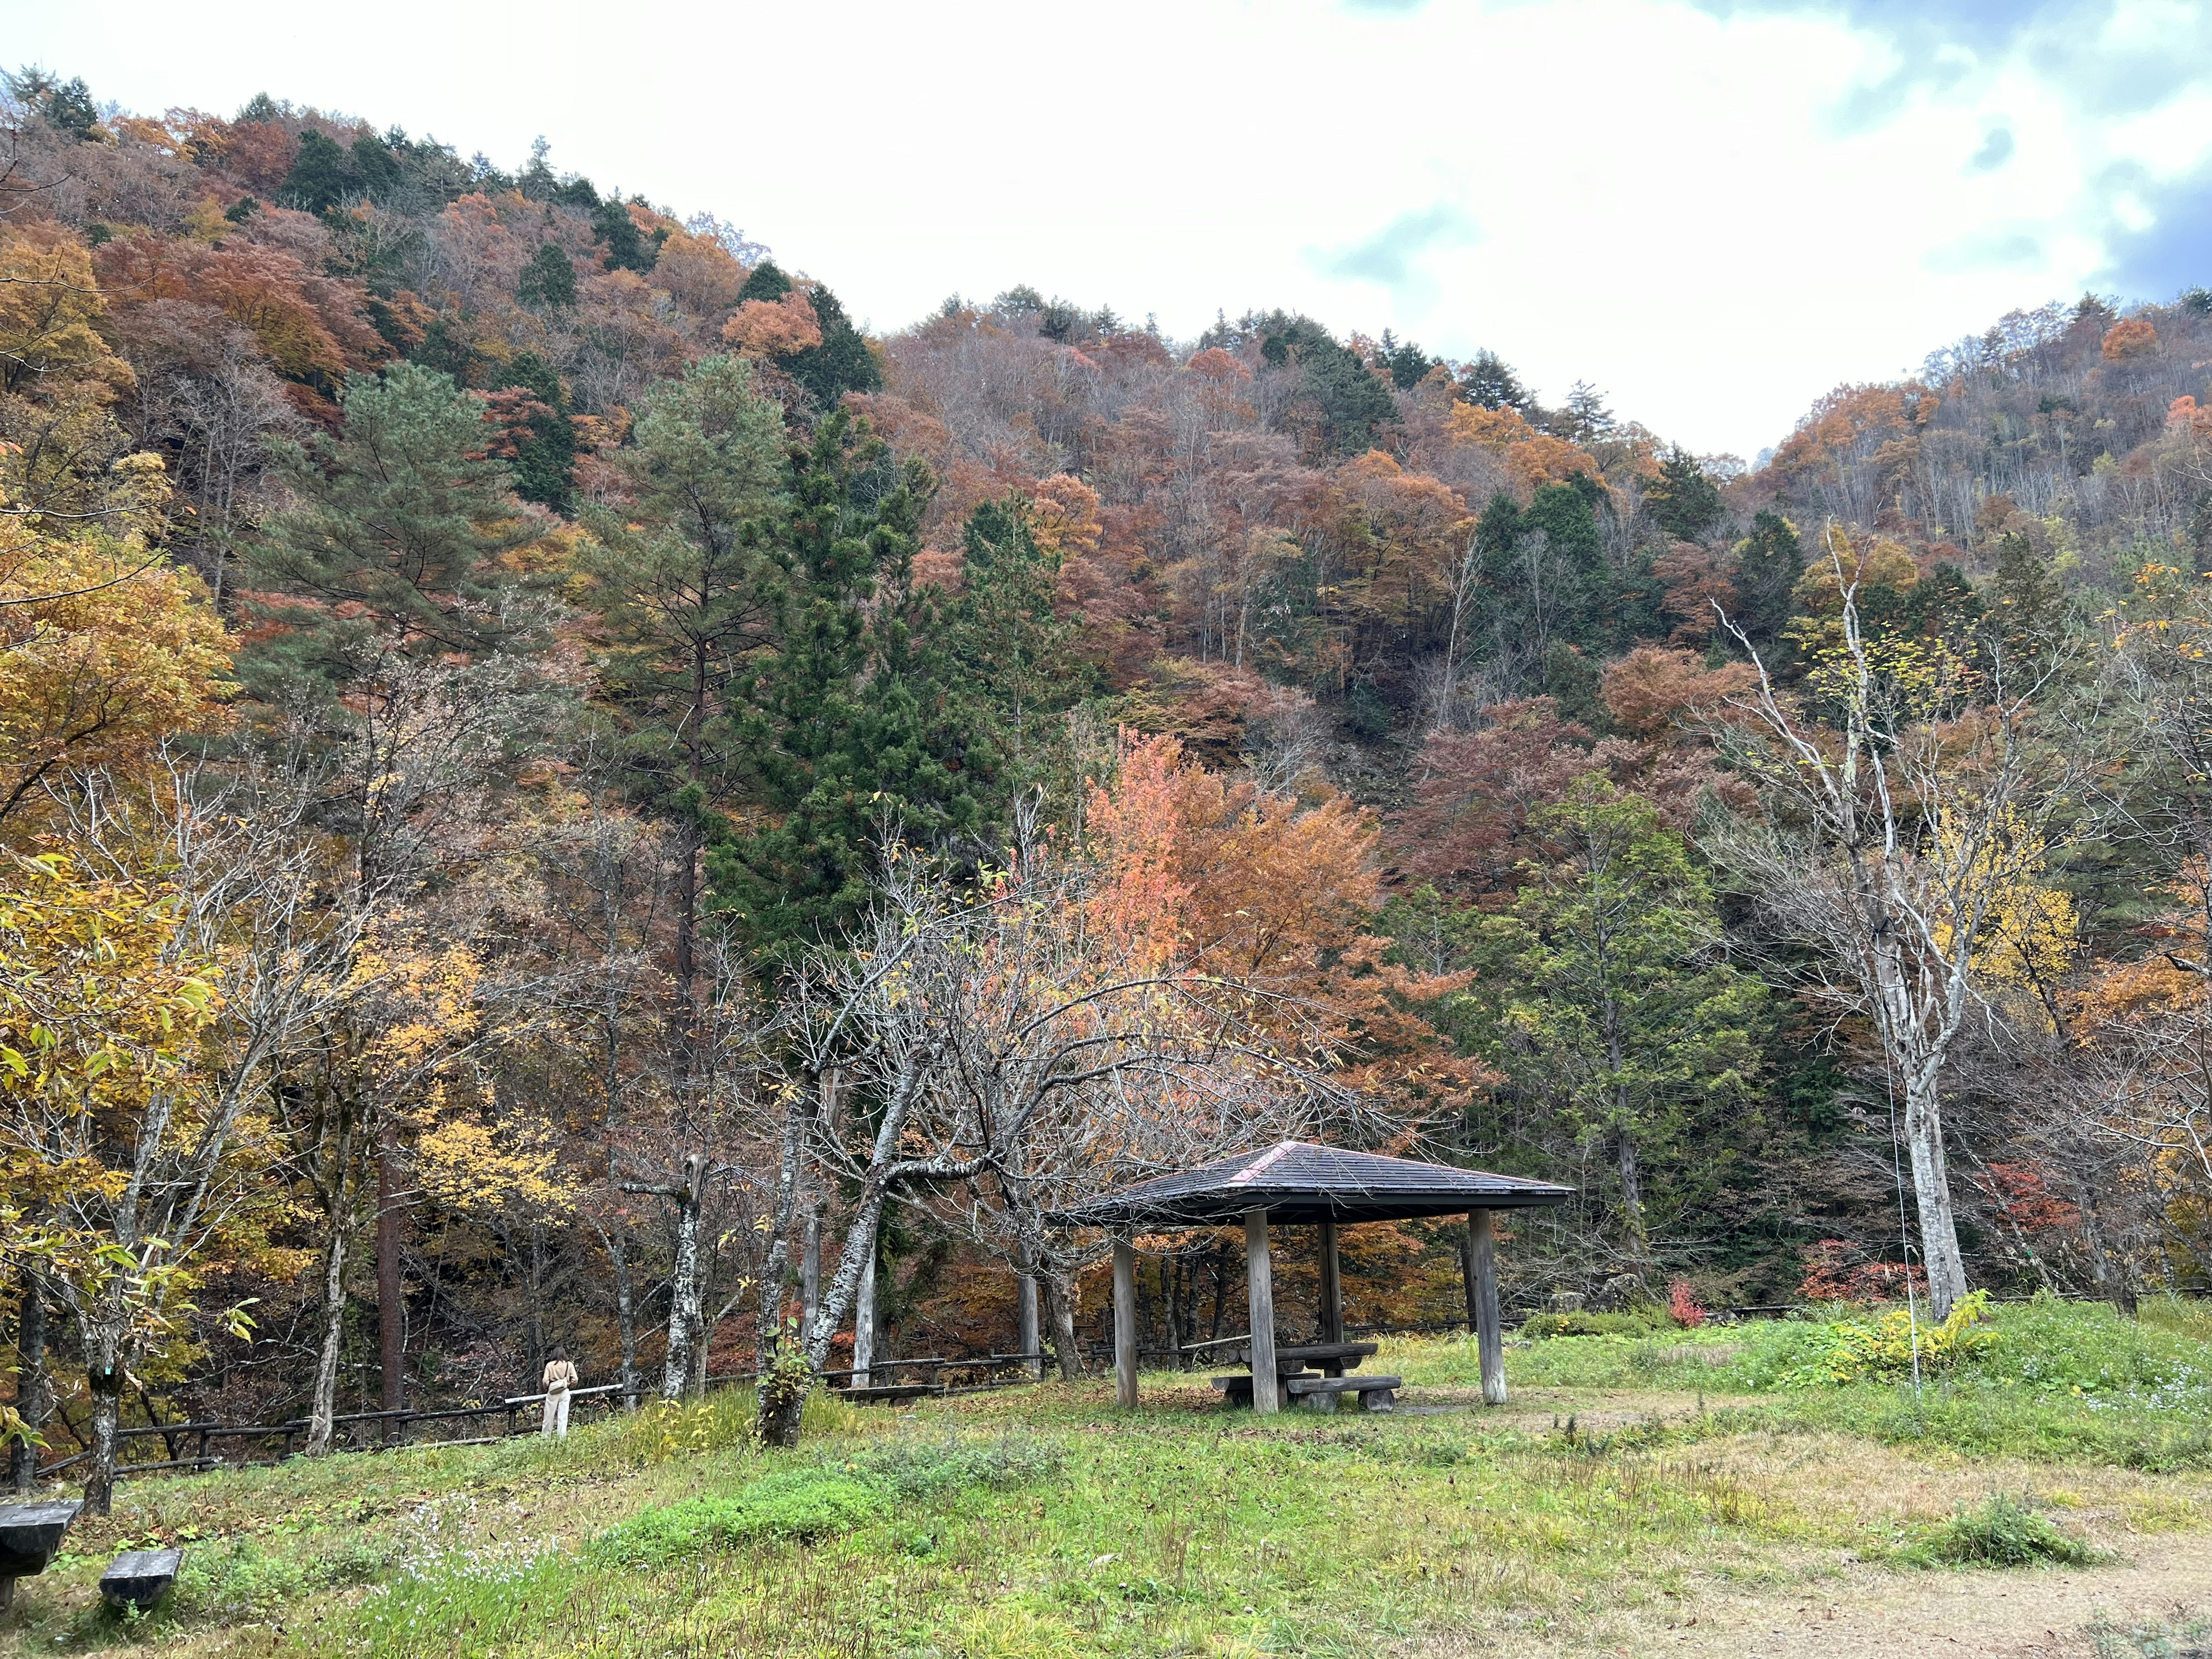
[[2062, 1381], [2001, 1531], [1631, 1470]]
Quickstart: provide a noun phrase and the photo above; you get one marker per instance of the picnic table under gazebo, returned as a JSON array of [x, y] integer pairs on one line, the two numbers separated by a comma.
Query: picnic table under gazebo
[[1297, 1183]]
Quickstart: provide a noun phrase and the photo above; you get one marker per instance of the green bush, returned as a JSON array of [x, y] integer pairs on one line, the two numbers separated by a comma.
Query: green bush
[[1633, 1321], [800, 1504], [1882, 1348], [2001, 1531], [2088, 1351], [243, 1582], [923, 1468]]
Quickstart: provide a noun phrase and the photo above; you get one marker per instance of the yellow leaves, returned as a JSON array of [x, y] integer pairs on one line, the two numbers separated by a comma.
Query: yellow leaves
[[2030, 933], [204, 222], [49, 302], [424, 998], [1875, 560], [1064, 516], [104, 648], [472, 1168], [97, 1007]]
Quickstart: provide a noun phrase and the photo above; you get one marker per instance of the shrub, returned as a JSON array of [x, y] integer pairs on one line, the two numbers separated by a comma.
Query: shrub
[[1884, 1348], [1832, 1276], [2156, 1640], [2004, 1531], [801, 1503], [1634, 1322], [912, 1469], [241, 1582], [1682, 1305]]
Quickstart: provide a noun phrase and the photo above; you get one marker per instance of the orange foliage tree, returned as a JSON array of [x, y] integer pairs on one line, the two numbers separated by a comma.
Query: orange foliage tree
[[1277, 892]]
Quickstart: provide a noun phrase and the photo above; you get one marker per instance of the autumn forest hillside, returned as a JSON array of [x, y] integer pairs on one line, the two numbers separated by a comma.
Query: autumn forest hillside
[[558, 791]]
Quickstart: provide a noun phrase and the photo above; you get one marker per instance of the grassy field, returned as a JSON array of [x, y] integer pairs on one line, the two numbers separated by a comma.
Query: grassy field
[[1645, 1488]]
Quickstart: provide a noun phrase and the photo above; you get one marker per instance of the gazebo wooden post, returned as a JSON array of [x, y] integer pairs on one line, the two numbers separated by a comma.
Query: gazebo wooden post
[[1259, 1292], [1482, 1304], [1125, 1322], [1026, 1325], [1332, 1287]]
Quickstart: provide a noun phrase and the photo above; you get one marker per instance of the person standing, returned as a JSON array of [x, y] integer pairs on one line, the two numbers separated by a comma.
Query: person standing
[[560, 1377]]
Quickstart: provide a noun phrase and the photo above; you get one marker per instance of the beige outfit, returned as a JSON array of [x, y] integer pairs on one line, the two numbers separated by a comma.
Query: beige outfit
[[560, 1377]]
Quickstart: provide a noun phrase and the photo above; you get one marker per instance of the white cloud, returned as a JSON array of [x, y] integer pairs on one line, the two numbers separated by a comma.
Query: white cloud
[[1688, 209]]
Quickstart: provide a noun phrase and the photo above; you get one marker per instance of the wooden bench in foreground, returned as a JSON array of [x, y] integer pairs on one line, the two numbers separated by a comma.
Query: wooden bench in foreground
[[29, 1535], [140, 1578], [1375, 1394]]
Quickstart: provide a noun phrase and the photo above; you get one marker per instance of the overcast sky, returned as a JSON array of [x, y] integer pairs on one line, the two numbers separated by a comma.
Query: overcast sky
[[1712, 210]]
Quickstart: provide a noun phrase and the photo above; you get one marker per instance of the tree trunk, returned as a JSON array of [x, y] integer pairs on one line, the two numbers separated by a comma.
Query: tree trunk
[[1168, 1311], [391, 1308], [1631, 1205], [34, 1388], [323, 1406], [1060, 1308], [810, 1264], [864, 1323], [103, 1377], [617, 1241], [538, 1344], [2113, 1283], [687, 950], [1931, 1187], [683, 1283]]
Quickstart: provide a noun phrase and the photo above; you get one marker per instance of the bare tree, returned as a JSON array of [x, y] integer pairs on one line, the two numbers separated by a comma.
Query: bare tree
[[1016, 1052], [1914, 790]]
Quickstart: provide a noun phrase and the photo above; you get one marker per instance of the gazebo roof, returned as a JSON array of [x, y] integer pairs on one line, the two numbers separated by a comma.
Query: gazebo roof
[[1297, 1182]]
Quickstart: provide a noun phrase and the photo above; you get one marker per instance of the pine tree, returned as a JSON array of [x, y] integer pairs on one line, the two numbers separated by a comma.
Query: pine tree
[[615, 231], [544, 461], [1768, 565], [1489, 383], [1682, 501], [842, 363], [1008, 661], [397, 543], [321, 176], [1621, 1013], [2030, 605], [688, 598], [766, 280], [550, 278], [846, 729]]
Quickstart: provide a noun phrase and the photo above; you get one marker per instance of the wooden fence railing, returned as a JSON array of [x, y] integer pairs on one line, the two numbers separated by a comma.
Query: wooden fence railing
[[197, 1444]]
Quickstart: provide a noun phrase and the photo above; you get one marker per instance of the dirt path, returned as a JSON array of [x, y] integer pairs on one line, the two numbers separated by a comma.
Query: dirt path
[[1873, 1613]]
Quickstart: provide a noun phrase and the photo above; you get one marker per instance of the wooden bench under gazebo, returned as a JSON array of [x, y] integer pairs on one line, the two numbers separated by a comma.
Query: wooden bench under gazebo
[[1297, 1183]]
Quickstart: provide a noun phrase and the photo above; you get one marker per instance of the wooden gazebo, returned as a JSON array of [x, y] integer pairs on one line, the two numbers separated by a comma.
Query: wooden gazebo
[[1299, 1184]]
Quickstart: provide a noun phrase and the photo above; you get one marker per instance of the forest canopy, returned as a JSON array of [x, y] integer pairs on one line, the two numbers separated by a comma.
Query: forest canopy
[[555, 791]]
